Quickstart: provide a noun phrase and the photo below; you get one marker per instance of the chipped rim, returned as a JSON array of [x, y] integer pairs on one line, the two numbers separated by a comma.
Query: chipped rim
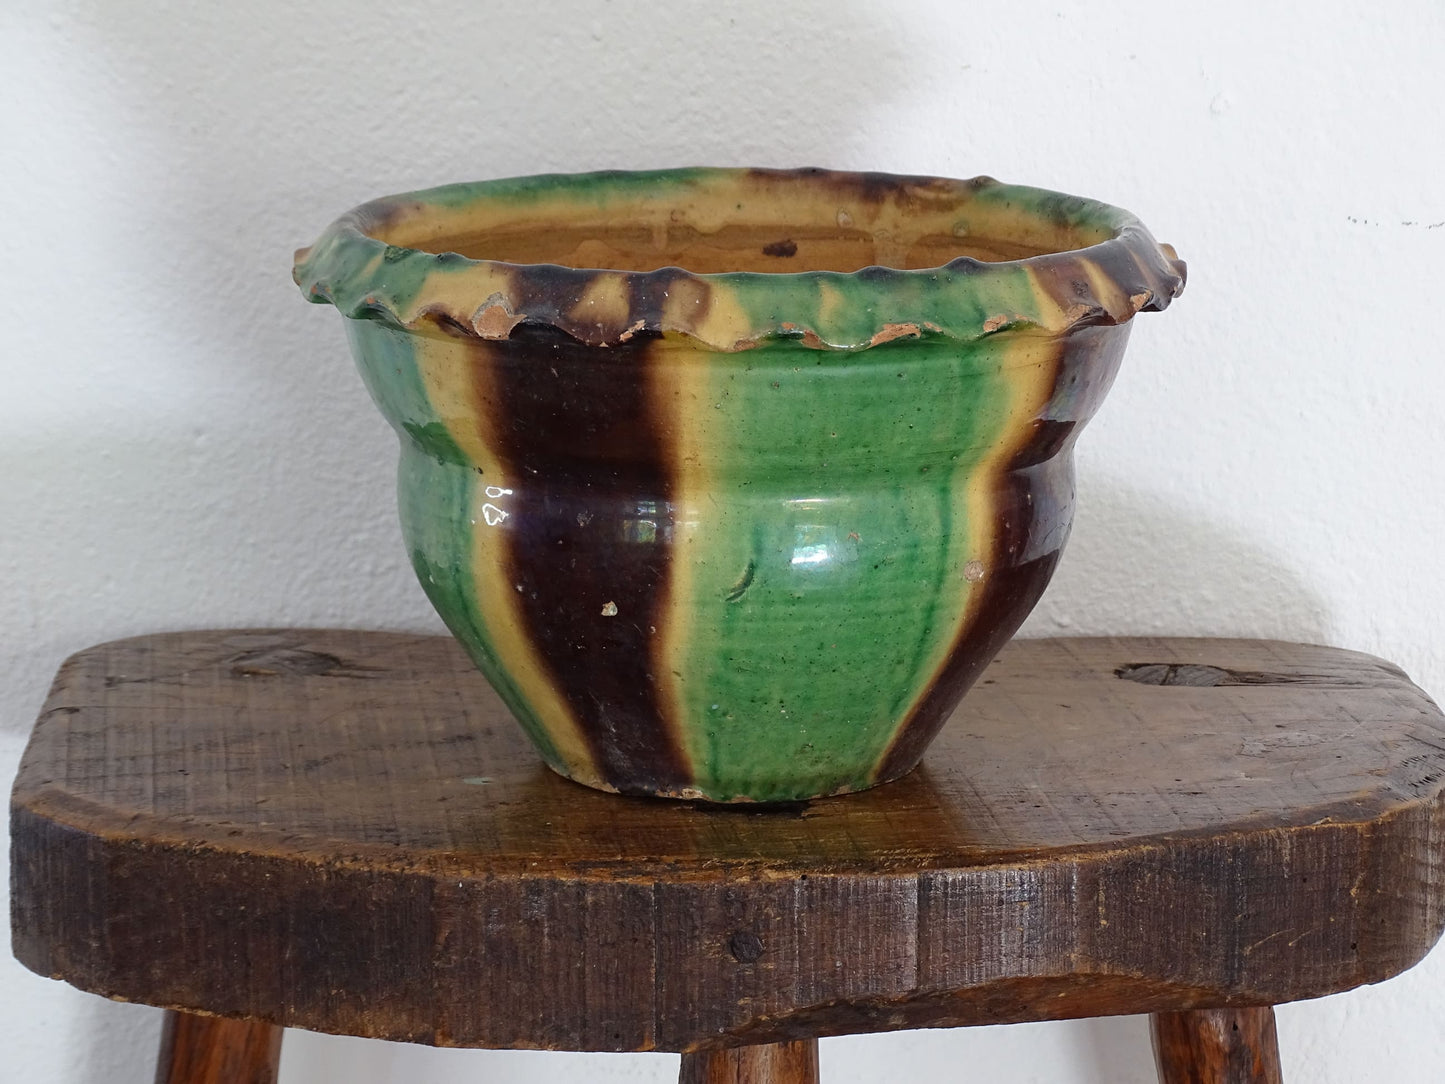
[[354, 266]]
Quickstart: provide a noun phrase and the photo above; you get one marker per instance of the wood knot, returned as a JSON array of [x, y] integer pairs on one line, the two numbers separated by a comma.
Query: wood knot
[[295, 662], [1199, 676], [745, 946], [1160, 673]]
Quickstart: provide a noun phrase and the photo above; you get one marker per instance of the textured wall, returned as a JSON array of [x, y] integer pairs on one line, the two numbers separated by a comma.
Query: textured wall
[[183, 441]]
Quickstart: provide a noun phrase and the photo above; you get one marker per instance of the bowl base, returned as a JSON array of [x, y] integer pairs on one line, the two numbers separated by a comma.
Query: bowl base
[[698, 794]]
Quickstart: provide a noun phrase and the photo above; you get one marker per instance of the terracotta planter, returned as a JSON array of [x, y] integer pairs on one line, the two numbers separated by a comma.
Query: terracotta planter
[[733, 481]]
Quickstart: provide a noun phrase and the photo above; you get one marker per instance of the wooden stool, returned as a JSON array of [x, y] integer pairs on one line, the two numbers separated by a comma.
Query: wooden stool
[[345, 831]]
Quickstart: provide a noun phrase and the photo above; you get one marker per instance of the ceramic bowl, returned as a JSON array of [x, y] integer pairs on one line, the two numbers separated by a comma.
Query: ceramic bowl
[[733, 481]]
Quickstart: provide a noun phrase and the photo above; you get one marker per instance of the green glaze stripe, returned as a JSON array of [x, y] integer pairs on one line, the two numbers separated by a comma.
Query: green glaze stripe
[[813, 616]]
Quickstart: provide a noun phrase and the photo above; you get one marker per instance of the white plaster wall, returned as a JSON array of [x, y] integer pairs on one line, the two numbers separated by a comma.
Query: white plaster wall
[[183, 442]]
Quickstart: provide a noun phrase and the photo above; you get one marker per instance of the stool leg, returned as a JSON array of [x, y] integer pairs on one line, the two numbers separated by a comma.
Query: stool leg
[[1216, 1046], [210, 1050], [773, 1063]]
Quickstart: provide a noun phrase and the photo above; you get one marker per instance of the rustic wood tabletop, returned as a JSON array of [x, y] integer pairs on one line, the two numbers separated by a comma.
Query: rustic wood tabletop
[[346, 831]]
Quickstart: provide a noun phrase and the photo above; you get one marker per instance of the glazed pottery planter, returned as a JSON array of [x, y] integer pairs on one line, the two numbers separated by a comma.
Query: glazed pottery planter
[[733, 481]]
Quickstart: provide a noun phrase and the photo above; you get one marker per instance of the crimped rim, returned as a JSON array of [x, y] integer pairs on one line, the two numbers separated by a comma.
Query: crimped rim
[[355, 266]]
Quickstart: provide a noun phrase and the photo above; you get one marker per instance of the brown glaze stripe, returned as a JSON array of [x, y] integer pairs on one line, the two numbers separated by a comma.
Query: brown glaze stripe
[[1034, 495], [588, 550]]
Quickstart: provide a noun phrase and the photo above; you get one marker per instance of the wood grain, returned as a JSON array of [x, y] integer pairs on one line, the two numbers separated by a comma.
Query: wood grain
[[345, 831], [209, 1050], [1217, 1046], [771, 1063]]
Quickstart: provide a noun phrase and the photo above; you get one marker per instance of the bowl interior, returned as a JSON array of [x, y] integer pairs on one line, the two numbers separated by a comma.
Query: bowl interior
[[717, 221]]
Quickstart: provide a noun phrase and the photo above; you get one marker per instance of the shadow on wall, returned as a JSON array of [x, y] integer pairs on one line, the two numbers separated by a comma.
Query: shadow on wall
[[238, 131], [262, 122], [1139, 566]]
